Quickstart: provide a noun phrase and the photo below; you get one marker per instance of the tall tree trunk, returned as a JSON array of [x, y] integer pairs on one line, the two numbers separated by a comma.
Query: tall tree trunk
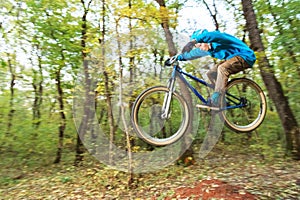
[[188, 154], [131, 36], [126, 129], [122, 103], [12, 94], [165, 26], [37, 85], [62, 123], [60, 95], [88, 113], [274, 88], [107, 89]]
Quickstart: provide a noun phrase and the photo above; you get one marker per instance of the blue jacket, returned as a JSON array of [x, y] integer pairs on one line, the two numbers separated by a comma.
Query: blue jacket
[[223, 46]]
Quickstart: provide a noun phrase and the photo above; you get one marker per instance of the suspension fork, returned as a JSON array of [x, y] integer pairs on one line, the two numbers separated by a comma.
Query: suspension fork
[[168, 95]]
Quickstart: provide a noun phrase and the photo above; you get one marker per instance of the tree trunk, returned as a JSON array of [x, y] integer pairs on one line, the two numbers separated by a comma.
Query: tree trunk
[[274, 88], [165, 26], [37, 85], [88, 111], [188, 154], [62, 125], [12, 94], [131, 70], [127, 135], [88, 114], [107, 89]]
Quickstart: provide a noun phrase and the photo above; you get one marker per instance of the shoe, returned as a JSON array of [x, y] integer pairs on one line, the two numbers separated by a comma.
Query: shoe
[[214, 99], [212, 102]]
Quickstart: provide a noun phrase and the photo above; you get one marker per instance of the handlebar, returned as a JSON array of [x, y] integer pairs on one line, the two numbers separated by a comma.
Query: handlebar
[[171, 61]]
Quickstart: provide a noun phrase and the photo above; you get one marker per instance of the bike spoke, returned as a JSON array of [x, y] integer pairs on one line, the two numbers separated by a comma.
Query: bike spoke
[[252, 106], [152, 124]]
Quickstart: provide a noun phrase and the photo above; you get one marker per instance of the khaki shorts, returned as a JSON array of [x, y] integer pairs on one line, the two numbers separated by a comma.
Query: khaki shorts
[[220, 73]]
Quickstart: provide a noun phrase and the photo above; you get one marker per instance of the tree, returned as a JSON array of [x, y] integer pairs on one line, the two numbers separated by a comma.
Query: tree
[[12, 72], [188, 154], [88, 111], [10, 62], [289, 123], [214, 16], [37, 84], [165, 25], [59, 53]]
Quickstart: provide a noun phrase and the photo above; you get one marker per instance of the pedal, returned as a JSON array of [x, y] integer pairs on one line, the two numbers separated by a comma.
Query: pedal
[[207, 107]]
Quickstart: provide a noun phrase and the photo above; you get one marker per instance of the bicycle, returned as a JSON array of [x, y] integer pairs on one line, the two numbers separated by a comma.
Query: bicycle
[[161, 116]]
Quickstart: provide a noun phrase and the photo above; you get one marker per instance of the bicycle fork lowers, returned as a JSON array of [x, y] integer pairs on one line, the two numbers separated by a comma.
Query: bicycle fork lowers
[[168, 97]]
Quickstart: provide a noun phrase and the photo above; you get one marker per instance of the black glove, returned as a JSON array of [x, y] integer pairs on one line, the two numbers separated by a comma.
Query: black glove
[[189, 46], [167, 62], [171, 60]]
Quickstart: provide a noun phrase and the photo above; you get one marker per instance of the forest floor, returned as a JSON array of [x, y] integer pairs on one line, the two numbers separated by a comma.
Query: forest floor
[[225, 173]]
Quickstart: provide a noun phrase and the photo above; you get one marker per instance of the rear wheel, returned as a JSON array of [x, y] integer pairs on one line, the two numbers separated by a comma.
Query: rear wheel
[[247, 94], [149, 122]]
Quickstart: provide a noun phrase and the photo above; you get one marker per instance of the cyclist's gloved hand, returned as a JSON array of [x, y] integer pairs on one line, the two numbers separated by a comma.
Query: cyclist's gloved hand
[[168, 62], [171, 60], [189, 46]]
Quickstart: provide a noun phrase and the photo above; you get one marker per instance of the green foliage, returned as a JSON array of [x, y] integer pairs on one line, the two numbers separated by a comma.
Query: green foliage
[[27, 145], [49, 33], [280, 24]]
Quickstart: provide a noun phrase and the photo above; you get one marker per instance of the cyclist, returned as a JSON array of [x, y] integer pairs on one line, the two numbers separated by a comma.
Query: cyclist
[[234, 53]]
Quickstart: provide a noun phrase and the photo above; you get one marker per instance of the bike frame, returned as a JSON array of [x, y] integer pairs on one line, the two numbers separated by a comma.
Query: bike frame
[[178, 71], [181, 75]]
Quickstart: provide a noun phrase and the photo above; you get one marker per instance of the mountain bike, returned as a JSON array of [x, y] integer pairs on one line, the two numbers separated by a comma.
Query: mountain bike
[[161, 115]]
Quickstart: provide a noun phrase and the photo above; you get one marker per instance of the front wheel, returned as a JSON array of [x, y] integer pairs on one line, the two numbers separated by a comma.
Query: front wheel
[[246, 105], [151, 123]]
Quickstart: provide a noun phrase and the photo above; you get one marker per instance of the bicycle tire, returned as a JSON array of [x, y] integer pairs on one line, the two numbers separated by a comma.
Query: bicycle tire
[[146, 117], [250, 117]]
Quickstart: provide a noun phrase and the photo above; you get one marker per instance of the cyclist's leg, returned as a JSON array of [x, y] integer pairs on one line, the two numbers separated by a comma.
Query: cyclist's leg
[[213, 72], [231, 66]]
